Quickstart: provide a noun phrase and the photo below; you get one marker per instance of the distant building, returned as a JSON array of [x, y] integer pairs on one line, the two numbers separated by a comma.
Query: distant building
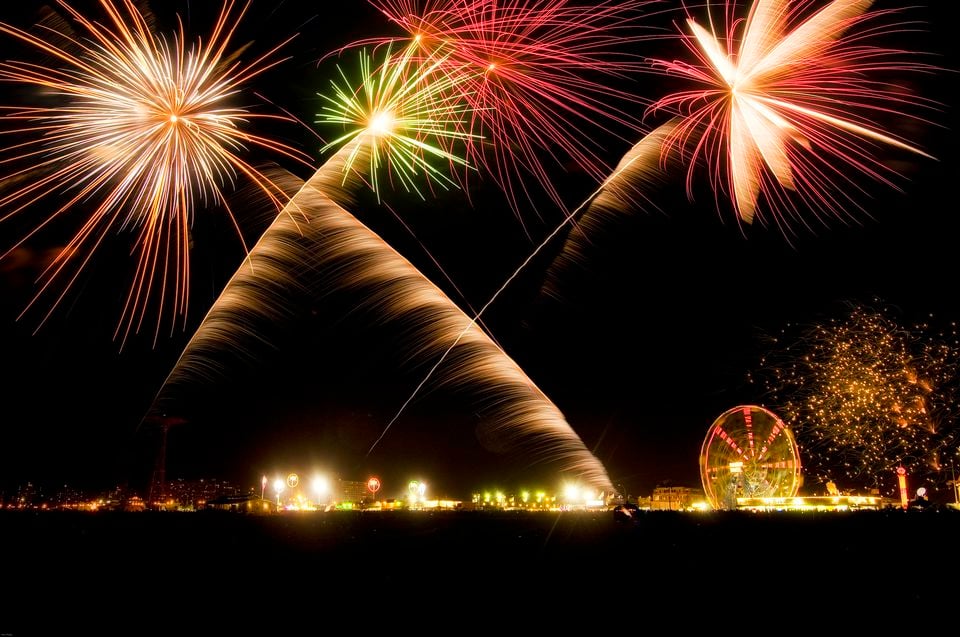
[[643, 503], [28, 496], [352, 491], [674, 498], [194, 494], [248, 503]]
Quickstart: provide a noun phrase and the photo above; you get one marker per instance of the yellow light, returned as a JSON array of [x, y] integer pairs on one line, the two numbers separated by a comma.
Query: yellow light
[[736, 467], [525, 495], [173, 119]]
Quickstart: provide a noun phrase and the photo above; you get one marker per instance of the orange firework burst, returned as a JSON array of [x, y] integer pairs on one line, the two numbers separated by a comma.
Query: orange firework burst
[[790, 100], [141, 133]]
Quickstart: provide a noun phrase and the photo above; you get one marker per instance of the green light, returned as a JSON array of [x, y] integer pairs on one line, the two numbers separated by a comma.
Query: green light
[[408, 111]]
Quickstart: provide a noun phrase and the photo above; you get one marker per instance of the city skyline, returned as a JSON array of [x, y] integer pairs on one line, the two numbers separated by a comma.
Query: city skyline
[[650, 340]]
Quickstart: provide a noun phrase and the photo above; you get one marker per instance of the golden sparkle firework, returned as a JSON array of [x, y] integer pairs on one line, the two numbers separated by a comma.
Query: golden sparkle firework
[[865, 394], [142, 133]]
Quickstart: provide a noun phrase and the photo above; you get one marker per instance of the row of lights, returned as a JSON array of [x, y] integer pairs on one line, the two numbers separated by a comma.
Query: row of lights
[[573, 495], [321, 487]]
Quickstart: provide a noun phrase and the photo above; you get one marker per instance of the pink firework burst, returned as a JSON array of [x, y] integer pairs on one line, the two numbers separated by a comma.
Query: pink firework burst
[[788, 103], [531, 73]]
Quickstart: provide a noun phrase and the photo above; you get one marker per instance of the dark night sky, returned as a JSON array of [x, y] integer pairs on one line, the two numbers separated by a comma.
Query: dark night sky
[[650, 342]]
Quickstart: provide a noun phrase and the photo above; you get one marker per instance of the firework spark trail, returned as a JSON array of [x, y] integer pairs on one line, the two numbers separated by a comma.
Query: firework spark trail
[[528, 72], [643, 171], [789, 103], [315, 247], [644, 163], [145, 133], [865, 394], [315, 230], [417, 115], [761, 104]]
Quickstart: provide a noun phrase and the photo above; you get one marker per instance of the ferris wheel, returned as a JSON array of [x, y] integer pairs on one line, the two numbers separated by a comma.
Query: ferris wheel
[[748, 453]]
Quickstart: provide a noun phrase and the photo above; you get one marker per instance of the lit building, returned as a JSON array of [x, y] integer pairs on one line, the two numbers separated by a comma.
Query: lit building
[[194, 494], [675, 498], [352, 491]]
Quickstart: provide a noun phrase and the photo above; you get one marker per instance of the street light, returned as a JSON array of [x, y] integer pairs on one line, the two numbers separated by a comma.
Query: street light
[[278, 485], [321, 486]]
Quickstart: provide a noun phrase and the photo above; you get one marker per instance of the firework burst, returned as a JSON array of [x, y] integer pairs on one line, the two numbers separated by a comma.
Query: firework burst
[[409, 114], [315, 247], [529, 71], [865, 394], [143, 133], [789, 101]]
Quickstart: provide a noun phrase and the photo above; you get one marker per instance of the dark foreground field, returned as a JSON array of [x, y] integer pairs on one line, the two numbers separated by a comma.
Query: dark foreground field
[[144, 569]]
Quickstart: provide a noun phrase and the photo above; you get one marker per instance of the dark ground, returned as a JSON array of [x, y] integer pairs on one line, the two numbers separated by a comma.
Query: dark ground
[[145, 572]]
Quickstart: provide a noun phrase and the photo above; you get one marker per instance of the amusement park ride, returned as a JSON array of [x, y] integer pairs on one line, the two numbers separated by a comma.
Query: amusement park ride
[[750, 460]]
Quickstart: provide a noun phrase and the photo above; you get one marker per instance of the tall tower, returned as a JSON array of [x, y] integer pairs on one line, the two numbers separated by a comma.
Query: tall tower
[[158, 480]]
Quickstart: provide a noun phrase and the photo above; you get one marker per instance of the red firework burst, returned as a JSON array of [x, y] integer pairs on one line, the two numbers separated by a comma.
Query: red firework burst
[[530, 71], [788, 101]]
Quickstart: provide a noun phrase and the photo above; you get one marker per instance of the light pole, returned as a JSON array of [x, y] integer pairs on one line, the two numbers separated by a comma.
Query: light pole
[[321, 487], [278, 485], [953, 481]]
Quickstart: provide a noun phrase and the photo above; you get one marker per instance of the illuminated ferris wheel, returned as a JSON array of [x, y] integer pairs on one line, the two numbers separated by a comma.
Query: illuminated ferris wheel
[[748, 453]]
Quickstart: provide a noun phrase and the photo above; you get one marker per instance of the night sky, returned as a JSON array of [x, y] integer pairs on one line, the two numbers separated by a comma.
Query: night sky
[[650, 341]]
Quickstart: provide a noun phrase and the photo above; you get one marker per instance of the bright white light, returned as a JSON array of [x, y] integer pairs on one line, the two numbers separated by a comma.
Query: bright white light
[[321, 486], [278, 486], [382, 123], [571, 492]]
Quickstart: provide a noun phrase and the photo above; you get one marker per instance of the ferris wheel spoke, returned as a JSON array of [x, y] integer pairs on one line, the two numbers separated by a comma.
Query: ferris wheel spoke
[[729, 440], [748, 422], [778, 428]]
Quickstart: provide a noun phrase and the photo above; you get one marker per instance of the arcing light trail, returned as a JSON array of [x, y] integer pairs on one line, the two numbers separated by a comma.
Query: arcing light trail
[[644, 161], [314, 230], [796, 82], [144, 132]]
